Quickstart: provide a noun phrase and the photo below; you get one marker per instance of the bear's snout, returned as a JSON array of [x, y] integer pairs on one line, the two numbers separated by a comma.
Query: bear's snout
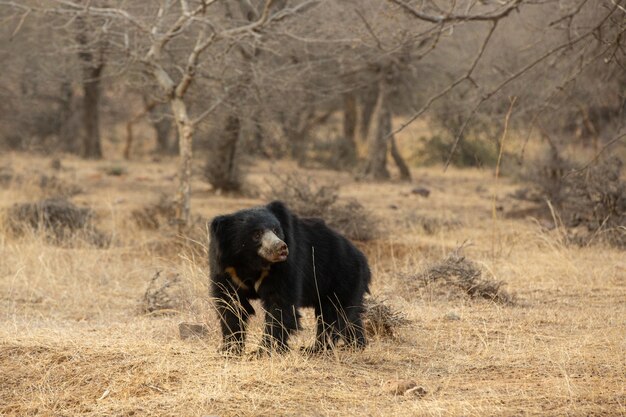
[[273, 249]]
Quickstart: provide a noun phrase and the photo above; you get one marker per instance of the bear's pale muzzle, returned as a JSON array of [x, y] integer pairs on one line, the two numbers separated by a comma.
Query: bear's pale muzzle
[[273, 249]]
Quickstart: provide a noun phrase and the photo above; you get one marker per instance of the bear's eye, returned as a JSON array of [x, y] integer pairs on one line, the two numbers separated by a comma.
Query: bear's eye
[[275, 230], [258, 234]]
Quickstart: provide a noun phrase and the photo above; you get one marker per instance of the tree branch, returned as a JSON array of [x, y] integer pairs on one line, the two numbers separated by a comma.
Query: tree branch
[[451, 17]]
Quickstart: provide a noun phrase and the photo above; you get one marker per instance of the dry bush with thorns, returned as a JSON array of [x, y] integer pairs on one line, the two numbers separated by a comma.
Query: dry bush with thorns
[[382, 320], [58, 218], [55, 187], [464, 276], [154, 215], [307, 198], [589, 202], [163, 295], [595, 198]]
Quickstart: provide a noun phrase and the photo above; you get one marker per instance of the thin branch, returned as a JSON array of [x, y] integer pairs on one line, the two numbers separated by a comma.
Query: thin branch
[[208, 111], [597, 155], [20, 23], [176, 28], [569, 15], [254, 25], [103, 11], [369, 29], [192, 63], [451, 17]]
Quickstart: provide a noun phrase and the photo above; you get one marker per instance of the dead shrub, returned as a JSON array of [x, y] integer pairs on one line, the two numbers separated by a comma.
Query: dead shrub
[[305, 197], [61, 220], [595, 198], [7, 176], [460, 275], [431, 225], [154, 215], [381, 320], [590, 202], [163, 295], [54, 187]]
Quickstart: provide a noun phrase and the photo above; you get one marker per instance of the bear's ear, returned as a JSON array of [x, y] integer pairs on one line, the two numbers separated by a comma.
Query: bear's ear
[[277, 207], [219, 225], [282, 213]]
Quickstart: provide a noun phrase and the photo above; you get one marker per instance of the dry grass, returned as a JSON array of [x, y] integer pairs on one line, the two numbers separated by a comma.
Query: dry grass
[[74, 342]]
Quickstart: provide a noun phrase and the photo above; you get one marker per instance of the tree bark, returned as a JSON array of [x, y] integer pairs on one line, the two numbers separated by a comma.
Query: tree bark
[[185, 135], [376, 164], [222, 170], [405, 173], [367, 109], [92, 147], [92, 67], [348, 146]]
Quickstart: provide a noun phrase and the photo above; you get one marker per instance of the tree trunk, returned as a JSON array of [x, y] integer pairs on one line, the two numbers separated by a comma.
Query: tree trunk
[[92, 148], [369, 104], [222, 170], [185, 135], [376, 164], [405, 173], [163, 127], [92, 67], [347, 150]]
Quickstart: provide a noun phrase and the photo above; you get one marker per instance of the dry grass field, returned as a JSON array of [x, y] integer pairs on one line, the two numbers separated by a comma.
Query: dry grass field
[[75, 341]]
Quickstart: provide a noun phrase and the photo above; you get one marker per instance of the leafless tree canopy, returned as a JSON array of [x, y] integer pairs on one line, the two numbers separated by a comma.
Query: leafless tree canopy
[[276, 77]]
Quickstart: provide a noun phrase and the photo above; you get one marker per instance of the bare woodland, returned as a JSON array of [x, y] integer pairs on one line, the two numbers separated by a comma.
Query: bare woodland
[[411, 126], [268, 74]]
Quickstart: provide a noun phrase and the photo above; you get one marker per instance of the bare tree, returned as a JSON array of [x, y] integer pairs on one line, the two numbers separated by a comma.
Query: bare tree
[[146, 34]]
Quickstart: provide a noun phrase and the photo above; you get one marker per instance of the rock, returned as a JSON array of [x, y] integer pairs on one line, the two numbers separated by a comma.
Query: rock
[[416, 391], [424, 192], [192, 330], [452, 316], [406, 387], [56, 164]]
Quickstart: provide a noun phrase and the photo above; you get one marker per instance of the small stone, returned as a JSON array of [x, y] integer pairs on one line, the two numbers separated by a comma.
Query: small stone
[[421, 191], [400, 387], [191, 330], [416, 391], [452, 316], [56, 164]]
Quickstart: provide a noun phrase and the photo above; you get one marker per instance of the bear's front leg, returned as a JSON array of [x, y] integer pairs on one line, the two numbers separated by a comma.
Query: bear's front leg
[[280, 321], [234, 312]]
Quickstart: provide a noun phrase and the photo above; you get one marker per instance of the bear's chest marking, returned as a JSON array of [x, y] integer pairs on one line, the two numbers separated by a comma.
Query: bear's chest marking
[[259, 281], [232, 272]]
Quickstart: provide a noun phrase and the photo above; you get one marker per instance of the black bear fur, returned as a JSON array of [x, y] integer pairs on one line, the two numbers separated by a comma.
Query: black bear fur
[[322, 270]]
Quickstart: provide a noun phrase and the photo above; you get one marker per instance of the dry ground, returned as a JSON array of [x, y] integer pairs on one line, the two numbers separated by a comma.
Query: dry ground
[[74, 342]]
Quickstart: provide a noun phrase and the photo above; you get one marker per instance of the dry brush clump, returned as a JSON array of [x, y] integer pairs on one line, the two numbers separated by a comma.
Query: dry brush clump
[[163, 295], [595, 198], [59, 219], [461, 276], [155, 215], [382, 320], [307, 198], [589, 202]]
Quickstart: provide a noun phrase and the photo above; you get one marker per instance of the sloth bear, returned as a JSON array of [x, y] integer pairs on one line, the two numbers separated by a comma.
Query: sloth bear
[[287, 262]]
